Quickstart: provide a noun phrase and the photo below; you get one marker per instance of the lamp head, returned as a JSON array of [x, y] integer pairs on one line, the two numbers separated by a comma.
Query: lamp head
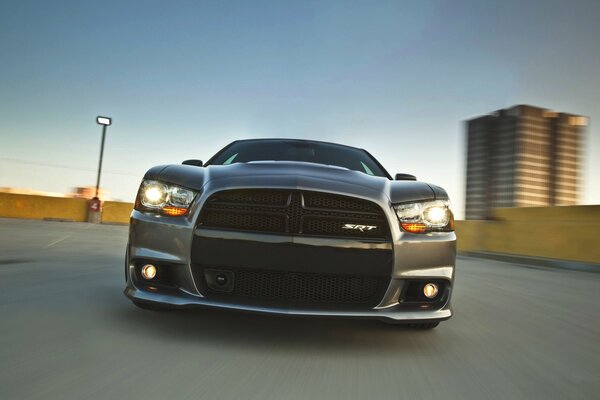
[[103, 120]]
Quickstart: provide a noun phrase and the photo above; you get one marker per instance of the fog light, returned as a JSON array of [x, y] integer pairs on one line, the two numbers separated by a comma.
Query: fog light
[[430, 290], [149, 271]]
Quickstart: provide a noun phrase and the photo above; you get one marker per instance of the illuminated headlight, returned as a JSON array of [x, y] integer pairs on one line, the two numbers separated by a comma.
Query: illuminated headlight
[[426, 216], [154, 194], [164, 198]]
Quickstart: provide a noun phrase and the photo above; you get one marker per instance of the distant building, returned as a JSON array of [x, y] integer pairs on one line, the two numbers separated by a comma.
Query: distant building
[[523, 156]]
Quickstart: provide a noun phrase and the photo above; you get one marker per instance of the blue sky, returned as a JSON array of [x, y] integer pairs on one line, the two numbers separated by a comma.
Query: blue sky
[[182, 79]]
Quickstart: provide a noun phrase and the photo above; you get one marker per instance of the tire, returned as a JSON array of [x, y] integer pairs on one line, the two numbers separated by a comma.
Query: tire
[[126, 263], [415, 325], [148, 306], [423, 325]]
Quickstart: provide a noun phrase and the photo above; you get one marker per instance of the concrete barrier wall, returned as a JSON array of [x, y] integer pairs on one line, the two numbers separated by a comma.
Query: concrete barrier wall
[[114, 212], [42, 207], [59, 208], [564, 233]]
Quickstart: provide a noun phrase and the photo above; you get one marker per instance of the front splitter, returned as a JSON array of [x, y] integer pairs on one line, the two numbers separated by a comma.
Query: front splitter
[[185, 300]]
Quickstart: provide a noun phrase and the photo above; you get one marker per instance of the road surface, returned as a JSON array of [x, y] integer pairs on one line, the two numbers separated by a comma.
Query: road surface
[[67, 332]]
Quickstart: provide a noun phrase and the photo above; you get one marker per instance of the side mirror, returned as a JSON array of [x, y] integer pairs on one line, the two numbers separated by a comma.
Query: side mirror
[[197, 163], [405, 177]]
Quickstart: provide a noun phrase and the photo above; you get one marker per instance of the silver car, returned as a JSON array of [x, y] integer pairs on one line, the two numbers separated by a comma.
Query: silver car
[[292, 227]]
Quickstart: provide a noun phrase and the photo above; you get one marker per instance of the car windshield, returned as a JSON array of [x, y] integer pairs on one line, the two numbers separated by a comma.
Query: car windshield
[[298, 150]]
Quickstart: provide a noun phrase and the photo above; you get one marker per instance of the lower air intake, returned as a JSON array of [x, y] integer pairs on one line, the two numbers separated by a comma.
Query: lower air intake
[[308, 288]]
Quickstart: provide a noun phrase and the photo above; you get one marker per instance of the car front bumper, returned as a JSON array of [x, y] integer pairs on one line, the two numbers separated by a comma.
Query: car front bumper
[[171, 242]]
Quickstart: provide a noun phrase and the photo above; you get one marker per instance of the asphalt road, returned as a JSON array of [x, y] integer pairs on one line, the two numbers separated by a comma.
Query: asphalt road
[[67, 332]]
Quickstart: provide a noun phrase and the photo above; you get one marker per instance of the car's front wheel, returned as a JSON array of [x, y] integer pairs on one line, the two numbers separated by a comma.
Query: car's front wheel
[[416, 325], [148, 306], [423, 325]]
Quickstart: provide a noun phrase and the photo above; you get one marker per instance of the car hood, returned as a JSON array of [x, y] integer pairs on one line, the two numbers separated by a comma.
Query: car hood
[[292, 175]]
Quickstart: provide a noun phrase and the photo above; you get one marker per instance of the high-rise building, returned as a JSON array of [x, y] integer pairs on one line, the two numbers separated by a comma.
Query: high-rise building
[[523, 156]]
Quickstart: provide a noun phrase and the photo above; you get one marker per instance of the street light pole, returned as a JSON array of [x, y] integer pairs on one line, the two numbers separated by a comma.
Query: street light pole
[[100, 163], [104, 121]]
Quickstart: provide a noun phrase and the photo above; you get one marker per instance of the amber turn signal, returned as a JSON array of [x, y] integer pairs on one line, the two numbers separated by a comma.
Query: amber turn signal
[[414, 228], [174, 211]]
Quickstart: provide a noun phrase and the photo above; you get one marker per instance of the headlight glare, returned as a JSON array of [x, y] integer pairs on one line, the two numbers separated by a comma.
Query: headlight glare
[[425, 216], [154, 194], [167, 199], [437, 214]]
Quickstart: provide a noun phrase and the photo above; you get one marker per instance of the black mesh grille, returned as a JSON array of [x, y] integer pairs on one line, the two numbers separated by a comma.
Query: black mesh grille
[[307, 288], [245, 221], [295, 213], [261, 197], [332, 202]]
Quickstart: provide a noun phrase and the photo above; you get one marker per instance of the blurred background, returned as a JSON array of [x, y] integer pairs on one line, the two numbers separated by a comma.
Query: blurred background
[[181, 80]]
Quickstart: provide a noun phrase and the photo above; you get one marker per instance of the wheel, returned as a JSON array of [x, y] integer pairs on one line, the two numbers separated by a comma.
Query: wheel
[[423, 325], [148, 306], [414, 325], [126, 263]]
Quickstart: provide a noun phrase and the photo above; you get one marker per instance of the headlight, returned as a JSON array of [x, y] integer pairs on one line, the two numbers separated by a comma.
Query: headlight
[[164, 198], [154, 194], [428, 216]]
